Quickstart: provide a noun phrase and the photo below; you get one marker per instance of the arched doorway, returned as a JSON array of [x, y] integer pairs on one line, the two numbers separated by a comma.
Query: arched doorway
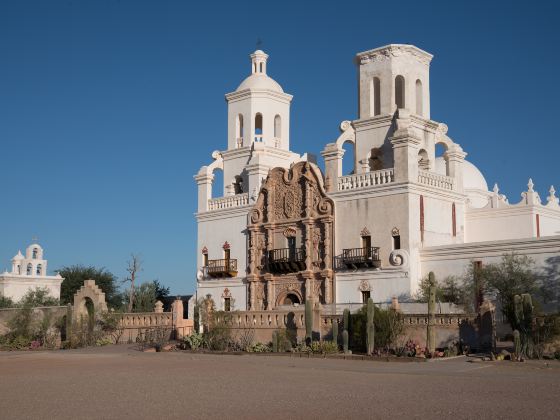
[[291, 299]]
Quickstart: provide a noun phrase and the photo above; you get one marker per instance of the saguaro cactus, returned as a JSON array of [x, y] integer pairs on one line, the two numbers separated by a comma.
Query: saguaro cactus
[[335, 331], [308, 321], [346, 320], [275, 341], [69, 323], [345, 341], [370, 327], [523, 310], [517, 344], [431, 334]]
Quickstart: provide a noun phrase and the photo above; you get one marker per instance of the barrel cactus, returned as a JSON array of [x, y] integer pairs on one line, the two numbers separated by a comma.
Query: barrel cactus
[[335, 331]]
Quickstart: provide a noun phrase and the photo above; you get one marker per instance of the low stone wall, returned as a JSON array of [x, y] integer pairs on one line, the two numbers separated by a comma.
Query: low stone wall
[[133, 323], [448, 327]]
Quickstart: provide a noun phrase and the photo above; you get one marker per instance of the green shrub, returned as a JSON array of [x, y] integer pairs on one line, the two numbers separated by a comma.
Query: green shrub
[[259, 348], [388, 327], [194, 341]]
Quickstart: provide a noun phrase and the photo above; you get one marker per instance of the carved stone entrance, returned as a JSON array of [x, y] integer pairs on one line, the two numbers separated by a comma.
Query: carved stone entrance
[[290, 239]]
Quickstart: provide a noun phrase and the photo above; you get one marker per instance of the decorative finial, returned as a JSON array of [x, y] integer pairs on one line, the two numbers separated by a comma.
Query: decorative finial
[[552, 195], [35, 239], [530, 185], [496, 189], [259, 44]]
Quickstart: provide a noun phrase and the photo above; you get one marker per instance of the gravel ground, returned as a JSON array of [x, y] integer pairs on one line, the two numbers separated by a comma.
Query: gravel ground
[[120, 382]]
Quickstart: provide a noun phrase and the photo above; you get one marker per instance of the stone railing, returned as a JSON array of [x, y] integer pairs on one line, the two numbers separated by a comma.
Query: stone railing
[[147, 319], [367, 179], [436, 180], [266, 319], [232, 201]]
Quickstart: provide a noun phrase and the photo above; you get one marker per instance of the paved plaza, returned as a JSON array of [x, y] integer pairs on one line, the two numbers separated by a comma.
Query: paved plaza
[[120, 382]]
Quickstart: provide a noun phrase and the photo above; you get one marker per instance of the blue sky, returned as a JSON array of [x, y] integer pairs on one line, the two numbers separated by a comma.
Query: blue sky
[[108, 108]]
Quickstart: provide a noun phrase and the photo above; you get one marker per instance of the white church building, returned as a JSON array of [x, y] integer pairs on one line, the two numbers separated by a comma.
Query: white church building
[[285, 231], [27, 273]]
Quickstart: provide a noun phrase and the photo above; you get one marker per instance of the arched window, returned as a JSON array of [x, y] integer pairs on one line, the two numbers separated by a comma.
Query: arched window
[[35, 252], [258, 127], [399, 92], [419, 99], [277, 129], [375, 97], [239, 130], [423, 161], [29, 269], [376, 159], [39, 270]]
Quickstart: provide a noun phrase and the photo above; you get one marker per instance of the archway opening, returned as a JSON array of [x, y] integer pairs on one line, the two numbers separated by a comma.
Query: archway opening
[[349, 158], [399, 92], [291, 299], [218, 183], [440, 150], [376, 159]]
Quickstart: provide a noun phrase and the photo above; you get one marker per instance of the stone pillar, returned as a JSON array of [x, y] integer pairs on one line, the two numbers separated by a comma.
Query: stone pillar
[[308, 245], [253, 292], [333, 164], [455, 158], [158, 307], [204, 181], [405, 149], [270, 297], [364, 166]]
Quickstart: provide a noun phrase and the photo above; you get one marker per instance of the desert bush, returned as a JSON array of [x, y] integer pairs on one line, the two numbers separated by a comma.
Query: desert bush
[[259, 348], [155, 337], [388, 328]]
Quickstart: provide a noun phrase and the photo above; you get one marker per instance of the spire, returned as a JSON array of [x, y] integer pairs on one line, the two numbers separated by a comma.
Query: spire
[[258, 62]]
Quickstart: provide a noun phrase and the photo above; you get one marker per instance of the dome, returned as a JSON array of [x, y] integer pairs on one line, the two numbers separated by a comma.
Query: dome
[[473, 182], [472, 177], [260, 81]]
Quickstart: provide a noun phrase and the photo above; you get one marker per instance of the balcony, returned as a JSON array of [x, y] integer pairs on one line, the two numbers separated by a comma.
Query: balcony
[[354, 258], [222, 268], [286, 260]]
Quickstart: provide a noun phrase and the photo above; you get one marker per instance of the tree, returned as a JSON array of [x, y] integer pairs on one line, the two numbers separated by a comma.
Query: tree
[[144, 298], [160, 290], [134, 267], [513, 275], [74, 277], [452, 289], [38, 297]]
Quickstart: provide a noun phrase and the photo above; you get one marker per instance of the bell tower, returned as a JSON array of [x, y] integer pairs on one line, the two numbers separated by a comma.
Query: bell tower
[[259, 110]]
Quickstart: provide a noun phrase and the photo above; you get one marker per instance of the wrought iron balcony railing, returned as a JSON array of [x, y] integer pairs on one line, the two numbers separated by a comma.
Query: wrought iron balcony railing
[[286, 260], [353, 258], [222, 268]]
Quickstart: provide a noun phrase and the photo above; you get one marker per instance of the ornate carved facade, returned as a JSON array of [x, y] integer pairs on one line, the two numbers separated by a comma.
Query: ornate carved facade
[[290, 239]]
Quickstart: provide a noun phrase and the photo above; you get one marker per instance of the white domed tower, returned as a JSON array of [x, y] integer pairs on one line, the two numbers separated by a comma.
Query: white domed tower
[[259, 110], [258, 136]]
